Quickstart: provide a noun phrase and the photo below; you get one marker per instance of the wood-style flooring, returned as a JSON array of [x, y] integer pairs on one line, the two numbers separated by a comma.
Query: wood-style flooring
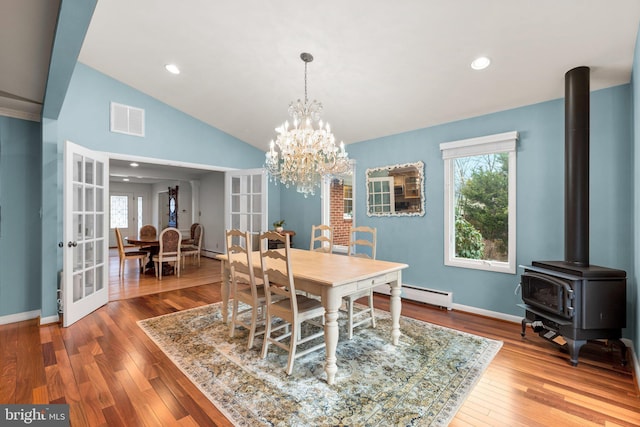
[[111, 374]]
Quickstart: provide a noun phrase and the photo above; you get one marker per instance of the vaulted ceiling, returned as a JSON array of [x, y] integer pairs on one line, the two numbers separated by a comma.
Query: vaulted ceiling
[[380, 67]]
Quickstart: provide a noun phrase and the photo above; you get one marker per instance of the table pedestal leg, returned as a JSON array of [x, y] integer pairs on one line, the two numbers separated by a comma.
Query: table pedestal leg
[[396, 308], [332, 304]]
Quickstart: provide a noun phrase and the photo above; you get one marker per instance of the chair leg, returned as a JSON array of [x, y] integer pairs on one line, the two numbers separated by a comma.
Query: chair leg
[[267, 336], [121, 268], [252, 330], [234, 312], [293, 343]]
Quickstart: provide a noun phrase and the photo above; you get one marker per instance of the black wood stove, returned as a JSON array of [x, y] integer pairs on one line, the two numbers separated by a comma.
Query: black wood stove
[[571, 301]]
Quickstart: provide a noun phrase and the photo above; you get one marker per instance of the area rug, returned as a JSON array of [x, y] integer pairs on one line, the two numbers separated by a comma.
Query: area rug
[[421, 382]]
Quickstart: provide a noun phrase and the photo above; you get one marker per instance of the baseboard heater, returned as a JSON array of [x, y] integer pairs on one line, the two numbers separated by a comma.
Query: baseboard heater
[[435, 297]]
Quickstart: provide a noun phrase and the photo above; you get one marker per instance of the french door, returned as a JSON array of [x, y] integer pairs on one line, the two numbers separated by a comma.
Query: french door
[[85, 223], [246, 202]]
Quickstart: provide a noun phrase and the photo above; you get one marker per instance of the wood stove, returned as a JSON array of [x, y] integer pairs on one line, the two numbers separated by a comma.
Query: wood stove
[[573, 304], [570, 302]]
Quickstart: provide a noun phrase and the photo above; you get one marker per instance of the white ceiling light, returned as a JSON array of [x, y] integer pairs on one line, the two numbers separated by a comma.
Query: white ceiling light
[[125, 179], [134, 165], [480, 63], [172, 68]]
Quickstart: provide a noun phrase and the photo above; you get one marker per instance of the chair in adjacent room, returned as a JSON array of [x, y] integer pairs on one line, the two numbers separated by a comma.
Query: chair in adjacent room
[[283, 303], [141, 256], [362, 243], [194, 249], [148, 231], [170, 240], [321, 238], [244, 285]]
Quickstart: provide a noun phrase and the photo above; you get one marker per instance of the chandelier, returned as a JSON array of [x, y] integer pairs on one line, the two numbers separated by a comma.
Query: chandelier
[[305, 152]]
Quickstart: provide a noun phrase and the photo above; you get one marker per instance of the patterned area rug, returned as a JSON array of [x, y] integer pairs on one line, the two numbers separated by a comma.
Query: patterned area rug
[[422, 381]]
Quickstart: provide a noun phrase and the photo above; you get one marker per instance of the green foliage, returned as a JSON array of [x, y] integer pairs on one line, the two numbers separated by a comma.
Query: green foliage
[[484, 202], [469, 241], [279, 223]]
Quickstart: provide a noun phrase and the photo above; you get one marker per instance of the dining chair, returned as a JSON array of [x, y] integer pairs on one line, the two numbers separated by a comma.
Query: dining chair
[[361, 238], [241, 273], [283, 303], [170, 240], [141, 256], [322, 235], [193, 249], [149, 231]]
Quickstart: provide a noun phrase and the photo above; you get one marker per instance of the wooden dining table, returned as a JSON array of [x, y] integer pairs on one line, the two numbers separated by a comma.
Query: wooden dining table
[[151, 242], [332, 276]]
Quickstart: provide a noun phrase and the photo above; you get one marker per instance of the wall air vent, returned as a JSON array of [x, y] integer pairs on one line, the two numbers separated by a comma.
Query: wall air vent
[[127, 119]]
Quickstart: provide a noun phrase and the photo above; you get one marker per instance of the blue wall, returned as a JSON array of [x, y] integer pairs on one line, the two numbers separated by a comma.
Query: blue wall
[[84, 120], [419, 241], [20, 227]]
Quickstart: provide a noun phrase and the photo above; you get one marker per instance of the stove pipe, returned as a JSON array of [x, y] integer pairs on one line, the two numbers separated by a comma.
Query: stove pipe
[[576, 184]]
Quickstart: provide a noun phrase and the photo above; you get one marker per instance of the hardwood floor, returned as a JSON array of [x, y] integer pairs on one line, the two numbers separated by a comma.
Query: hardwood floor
[[111, 374]]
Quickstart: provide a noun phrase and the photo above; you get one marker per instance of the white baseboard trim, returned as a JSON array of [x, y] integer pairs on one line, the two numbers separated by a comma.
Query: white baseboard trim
[[49, 320], [19, 317], [488, 313]]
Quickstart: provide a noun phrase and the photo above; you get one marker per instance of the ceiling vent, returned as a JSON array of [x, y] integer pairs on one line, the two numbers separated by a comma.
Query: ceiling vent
[[127, 119]]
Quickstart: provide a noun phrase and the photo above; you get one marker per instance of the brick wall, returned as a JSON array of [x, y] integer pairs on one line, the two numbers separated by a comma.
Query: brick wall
[[340, 225]]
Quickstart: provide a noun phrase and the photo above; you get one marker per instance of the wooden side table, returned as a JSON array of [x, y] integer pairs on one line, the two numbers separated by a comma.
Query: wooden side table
[[276, 244]]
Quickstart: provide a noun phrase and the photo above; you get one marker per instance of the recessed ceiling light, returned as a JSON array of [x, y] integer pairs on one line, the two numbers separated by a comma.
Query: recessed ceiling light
[[134, 165], [125, 179], [172, 68], [480, 63]]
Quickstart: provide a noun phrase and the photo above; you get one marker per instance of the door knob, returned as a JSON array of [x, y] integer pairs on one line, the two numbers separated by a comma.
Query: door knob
[[72, 244], [61, 244]]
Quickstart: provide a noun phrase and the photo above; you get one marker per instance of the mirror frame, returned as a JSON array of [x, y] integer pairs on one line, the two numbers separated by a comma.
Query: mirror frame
[[419, 166]]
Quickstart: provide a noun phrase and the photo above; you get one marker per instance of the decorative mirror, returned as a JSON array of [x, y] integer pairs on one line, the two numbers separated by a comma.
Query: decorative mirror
[[396, 190], [173, 207]]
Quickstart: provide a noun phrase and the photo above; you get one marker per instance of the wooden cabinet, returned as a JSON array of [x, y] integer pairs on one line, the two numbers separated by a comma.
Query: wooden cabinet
[[411, 187]]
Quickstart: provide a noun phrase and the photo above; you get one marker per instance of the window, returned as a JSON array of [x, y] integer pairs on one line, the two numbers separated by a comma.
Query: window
[[119, 212], [347, 197], [381, 195], [480, 202]]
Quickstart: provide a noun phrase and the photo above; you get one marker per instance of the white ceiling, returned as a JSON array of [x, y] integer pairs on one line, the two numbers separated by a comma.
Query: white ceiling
[[380, 67], [26, 35]]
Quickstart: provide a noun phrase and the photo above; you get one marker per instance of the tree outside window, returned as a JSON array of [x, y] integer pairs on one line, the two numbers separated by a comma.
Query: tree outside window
[[480, 194]]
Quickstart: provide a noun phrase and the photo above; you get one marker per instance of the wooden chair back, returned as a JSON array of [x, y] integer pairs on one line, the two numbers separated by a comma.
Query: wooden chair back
[[276, 271], [321, 235], [362, 238], [148, 231], [240, 261], [170, 239], [120, 243]]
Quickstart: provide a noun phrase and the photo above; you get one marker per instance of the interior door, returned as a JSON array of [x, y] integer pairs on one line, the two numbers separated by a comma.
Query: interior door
[[86, 255], [246, 202]]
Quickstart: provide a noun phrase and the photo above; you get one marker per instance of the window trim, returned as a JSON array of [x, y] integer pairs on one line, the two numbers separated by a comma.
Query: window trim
[[490, 144]]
